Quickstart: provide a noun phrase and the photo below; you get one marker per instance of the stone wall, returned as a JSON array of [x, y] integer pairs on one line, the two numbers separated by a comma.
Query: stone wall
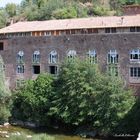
[[102, 43]]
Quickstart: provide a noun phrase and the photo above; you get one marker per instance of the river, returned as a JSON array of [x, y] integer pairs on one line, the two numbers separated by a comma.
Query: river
[[13, 129]]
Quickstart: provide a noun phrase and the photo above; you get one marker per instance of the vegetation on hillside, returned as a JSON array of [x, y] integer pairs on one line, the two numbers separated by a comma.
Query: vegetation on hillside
[[80, 96], [60, 9]]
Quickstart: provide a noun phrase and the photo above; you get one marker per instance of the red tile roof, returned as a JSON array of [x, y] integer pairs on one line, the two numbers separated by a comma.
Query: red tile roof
[[93, 22]]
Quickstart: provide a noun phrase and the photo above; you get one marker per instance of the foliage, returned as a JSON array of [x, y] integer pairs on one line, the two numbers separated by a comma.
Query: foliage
[[88, 97], [3, 18], [33, 100], [130, 124], [100, 11], [80, 95], [65, 13], [11, 9], [4, 96]]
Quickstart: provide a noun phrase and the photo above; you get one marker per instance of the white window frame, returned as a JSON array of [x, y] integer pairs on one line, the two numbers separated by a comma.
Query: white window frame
[[134, 72], [36, 57], [20, 69], [92, 56], [53, 57], [135, 55], [20, 83], [113, 70], [71, 55], [112, 57], [20, 57]]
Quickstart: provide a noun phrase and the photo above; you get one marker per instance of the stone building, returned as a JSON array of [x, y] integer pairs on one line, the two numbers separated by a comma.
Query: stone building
[[29, 48]]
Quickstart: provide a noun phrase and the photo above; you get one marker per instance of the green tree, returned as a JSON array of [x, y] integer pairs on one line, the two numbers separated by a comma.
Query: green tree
[[87, 97], [4, 95], [3, 18], [33, 100], [65, 13], [11, 9]]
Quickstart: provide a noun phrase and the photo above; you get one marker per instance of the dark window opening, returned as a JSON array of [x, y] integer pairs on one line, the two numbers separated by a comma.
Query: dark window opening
[[1, 46], [36, 69], [135, 72], [132, 29], [113, 30], [138, 29], [107, 30], [53, 69]]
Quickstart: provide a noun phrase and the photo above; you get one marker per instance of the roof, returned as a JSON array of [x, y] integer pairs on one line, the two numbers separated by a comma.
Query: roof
[[80, 23]]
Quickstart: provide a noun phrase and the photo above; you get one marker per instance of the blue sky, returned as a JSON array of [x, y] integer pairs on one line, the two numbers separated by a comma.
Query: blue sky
[[4, 2]]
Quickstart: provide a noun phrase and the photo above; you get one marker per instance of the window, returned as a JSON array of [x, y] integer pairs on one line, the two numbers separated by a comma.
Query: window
[[135, 72], [20, 57], [134, 29], [112, 57], [135, 55], [113, 70], [2, 67], [53, 69], [20, 83], [110, 30], [20, 69], [36, 57], [1, 46], [138, 29], [48, 33], [53, 57], [113, 30], [92, 56], [71, 55], [36, 69]]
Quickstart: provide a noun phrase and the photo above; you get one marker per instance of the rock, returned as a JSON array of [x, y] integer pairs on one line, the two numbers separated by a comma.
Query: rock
[[17, 123], [7, 136], [3, 132], [138, 136], [18, 133], [30, 124], [6, 124], [29, 136]]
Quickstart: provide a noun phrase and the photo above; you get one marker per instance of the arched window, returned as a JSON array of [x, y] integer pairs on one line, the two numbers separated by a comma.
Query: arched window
[[20, 57], [71, 55], [53, 57], [20, 68], [92, 56], [112, 57], [135, 55], [36, 57]]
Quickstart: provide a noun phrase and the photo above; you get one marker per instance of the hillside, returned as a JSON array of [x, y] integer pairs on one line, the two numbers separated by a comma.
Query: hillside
[[30, 10]]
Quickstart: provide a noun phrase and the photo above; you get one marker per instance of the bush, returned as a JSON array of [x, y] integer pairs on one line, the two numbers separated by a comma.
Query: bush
[[85, 96], [33, 100], [80, 96], [65, 13]]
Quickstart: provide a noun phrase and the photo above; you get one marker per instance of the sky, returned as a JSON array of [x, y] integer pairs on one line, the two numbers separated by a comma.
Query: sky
[[4, 2]]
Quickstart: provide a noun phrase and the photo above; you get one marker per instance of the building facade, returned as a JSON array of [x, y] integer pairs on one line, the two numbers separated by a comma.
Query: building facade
[[30, 48]]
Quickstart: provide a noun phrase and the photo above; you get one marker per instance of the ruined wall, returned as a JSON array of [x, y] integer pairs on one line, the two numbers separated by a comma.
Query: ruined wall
[[102, 43]]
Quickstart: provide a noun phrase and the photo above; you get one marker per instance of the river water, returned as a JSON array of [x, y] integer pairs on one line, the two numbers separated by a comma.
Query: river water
[[12, 129]]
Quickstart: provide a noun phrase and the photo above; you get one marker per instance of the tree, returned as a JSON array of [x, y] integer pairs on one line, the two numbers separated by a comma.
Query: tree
[[11, 9], [4, 95], [33, 100], [65, 13], [85, 96], [3, 18]]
